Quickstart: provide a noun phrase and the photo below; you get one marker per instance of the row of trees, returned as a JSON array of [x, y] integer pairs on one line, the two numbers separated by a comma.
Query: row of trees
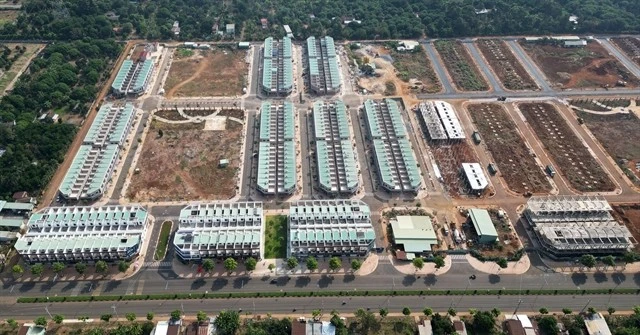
[[383, 19], [81, 268], [589, 261]]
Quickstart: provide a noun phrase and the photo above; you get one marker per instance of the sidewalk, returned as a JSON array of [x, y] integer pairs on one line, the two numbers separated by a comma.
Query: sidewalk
[[429, 267], [262, 268], [513, 268]]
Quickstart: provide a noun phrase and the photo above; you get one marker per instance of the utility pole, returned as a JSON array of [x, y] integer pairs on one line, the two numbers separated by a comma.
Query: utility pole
[[46, 308], [585, 306], [114, 310], [518, 306]]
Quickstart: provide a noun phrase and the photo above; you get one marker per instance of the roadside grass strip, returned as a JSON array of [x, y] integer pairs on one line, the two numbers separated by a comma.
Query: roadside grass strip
[[163, 241]]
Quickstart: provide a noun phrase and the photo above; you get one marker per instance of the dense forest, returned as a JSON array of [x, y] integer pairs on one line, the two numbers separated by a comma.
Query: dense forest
[[382, 19], [63, 79]]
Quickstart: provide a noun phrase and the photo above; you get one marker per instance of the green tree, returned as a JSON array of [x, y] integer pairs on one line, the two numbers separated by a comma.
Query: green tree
[[230, 264], [292, 263], [41, 321], [335, 263], [106, 317], [176, 315], [58, 319], [356, 264], [123, 266], [442, 325], [312, 263], [608, 261], [588, 261], [12, 323], [543, 310], [427, 311], [316, 314], [611, 310], [439, 261], [384, 312], [495, 312], [629, 257], [484, 322], [57, 267], [130, 316], [592, 310], [406, 311], [548, 325], [418, 263], [250, 264], [150, 316], [201, 316], [37, 269], [636, 310], [567, 311], [208, 265], [452, 311], [81, 267], [366, 322], [502, 262], [101, 267], [227, 322], [273, 266], [17, 270]]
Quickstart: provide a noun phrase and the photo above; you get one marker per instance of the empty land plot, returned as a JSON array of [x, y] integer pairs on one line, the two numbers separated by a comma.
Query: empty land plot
[[630, 46], [450, 156], [202, 73], [181, 162], [571, 156], [586, 67], [18, 59], [170, 114], [618, 134], [599, 105], [460, 65], [8, 16], [506, 66], [630, 216], [415, 66], [515, 162]]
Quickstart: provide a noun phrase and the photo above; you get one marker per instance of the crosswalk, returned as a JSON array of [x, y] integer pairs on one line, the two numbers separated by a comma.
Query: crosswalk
[[458, 258], [156, 264]]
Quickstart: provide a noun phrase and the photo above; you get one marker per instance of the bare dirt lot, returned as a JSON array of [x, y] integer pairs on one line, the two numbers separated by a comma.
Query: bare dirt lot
[[570, 154], [505, 65], [588, 67], [449, 157], [216, 72], [628, 45], [180, 162], [630, 216], [460, 65], [618, 134], [402, 73], [515, 162]]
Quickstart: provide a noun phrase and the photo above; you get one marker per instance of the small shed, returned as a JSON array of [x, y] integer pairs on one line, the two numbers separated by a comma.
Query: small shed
[[223, 163], [575, 44], [483, 225], [244, 45]]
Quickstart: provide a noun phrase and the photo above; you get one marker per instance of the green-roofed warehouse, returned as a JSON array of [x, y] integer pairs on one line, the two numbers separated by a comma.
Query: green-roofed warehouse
[[325, 228], [483, 225], [414, 235]]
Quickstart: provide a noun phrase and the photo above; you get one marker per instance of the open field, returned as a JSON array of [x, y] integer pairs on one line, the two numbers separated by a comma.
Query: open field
[[396, 73], [630, 46], [630, 216], [170, 114], [180, 162], [460, 65], [202, 73], [515, 161], [571, 156], [8, 16], [19, 64], [588, 67], [600, 105], [449, 157], [618, 134], [505, 65], [275, 237]]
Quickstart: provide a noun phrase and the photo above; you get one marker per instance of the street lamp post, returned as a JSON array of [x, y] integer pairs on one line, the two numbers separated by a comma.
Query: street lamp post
[[46, 308], [114, 310]]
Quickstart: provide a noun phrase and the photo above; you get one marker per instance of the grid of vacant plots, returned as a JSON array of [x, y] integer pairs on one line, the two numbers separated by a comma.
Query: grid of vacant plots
[[337, 169], [277, 153], [324, 75], [396, 165], [277, 67], [330, 227]]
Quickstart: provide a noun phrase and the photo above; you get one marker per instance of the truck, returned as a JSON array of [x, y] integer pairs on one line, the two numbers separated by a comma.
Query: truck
[[476, 137], [457, 237], [550, 170], [492, 169]]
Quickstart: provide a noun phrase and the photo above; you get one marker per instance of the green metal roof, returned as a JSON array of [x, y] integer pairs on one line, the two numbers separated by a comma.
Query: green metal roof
[[482, 223], [89, 171], [15, 223], [110, 125], [119, 84], [143, 75], [16, 206], [26, 245], [74, 215]]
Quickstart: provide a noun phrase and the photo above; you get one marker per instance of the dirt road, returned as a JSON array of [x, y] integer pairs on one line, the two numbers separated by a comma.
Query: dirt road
[[52, 189], [201, 67]]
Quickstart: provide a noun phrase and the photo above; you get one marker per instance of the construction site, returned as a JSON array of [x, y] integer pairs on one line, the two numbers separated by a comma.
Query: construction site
[[461, 67], [517, 164], [571, 155], [506, 66], [193, 158], [630, 46]]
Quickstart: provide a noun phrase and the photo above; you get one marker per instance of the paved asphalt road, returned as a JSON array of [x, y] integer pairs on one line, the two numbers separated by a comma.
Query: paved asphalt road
[[629, 64], [527, 62], [484, 67], [439, 68], [304, 306]]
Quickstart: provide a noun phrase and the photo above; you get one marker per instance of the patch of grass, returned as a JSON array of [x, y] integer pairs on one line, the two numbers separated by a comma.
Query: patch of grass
[[184, 53], [275, 233], [163, 240]]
